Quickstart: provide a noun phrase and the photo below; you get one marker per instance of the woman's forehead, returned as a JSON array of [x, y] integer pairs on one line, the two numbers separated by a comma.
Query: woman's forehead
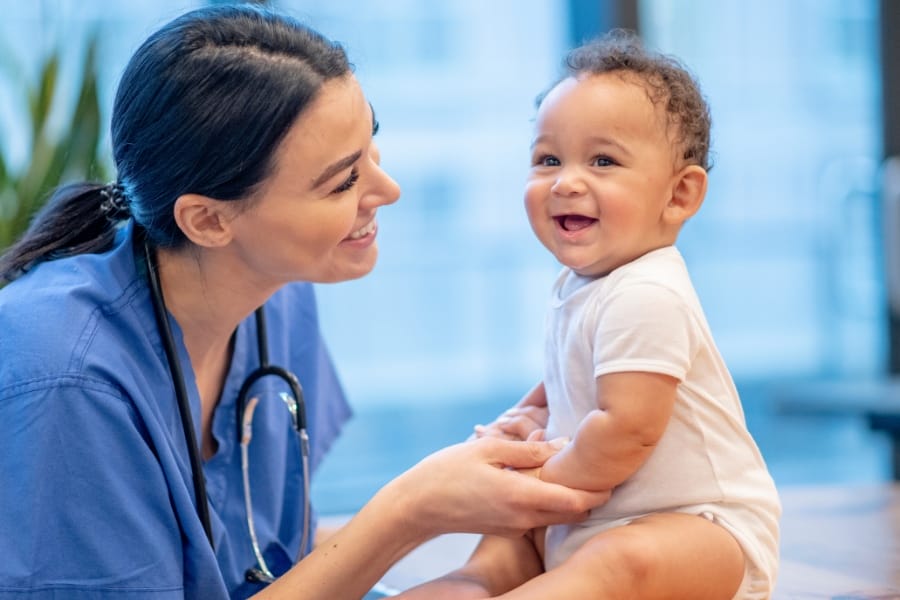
[[336, 123]]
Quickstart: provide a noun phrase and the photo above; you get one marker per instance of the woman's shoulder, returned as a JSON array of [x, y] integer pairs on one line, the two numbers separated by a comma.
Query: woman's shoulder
[[60, 317]]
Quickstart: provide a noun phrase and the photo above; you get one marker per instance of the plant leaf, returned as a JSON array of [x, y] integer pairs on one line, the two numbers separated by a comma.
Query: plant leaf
[[73, 152], [42, 101]]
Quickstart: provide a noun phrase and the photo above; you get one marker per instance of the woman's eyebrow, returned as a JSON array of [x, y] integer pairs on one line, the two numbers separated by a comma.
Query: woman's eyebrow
[[336, 167]]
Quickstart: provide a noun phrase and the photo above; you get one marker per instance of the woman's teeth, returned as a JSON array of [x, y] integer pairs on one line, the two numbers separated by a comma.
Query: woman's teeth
[[363, 231]]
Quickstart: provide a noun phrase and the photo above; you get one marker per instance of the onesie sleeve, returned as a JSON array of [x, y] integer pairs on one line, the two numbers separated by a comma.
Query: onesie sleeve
[[84, 505], [643, 327]]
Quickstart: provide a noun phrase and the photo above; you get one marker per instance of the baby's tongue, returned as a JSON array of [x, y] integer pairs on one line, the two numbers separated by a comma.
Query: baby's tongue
[[576, 222]]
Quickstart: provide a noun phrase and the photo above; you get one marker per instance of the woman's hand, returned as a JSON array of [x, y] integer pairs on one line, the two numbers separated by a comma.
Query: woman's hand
[[470, 487], [524, 421], [475, 487]]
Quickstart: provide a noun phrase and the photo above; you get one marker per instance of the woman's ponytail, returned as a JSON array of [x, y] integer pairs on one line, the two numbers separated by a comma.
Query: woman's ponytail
[[78, 218]]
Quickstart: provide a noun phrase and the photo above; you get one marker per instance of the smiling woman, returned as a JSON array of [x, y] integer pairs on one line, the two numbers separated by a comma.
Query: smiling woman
[[315, 217]]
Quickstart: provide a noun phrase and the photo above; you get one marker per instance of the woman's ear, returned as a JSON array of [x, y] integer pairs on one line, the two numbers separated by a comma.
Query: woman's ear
[[203, 220], [687, 194]]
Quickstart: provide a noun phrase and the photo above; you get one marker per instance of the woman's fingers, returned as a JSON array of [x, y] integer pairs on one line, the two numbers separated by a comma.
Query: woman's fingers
[[537, 435], [521, 422], [476, 487], [536, 504], [520, 454], [517, 423], [491, 430]]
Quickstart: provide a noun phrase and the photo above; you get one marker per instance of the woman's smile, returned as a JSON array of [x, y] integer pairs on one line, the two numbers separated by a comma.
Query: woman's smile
[[363, 236]]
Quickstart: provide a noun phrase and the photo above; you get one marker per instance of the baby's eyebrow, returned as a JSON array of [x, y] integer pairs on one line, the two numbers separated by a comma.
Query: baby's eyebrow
[[538, 140], [607, 141]]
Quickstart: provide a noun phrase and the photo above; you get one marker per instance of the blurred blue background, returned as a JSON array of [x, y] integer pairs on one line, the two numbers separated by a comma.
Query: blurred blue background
[[786, 253]]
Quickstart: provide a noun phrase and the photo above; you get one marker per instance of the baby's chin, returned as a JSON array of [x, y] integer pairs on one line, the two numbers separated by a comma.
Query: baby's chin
[[582, 265], [591, 271]]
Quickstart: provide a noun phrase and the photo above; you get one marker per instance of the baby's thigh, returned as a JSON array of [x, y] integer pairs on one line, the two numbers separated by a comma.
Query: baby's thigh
[[662, 555]]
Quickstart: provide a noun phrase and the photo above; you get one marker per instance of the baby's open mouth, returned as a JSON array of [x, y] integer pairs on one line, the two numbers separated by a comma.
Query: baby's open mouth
[[574, 222]]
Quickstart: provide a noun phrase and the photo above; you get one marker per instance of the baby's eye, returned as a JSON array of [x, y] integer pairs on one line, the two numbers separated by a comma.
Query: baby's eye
[[546, 160], [603, 161]]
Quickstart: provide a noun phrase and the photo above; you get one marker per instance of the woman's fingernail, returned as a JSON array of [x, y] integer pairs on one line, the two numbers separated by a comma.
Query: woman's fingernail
[[559, 443]]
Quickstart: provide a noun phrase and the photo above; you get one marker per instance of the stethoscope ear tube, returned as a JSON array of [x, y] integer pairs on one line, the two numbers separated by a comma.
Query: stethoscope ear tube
[[184, 408]]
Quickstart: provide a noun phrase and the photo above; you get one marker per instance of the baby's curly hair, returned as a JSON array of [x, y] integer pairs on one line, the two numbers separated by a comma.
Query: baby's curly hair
[[666, 79]]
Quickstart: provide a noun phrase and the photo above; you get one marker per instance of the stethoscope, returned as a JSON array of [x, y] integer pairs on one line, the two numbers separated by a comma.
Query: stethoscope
[[245, 409]]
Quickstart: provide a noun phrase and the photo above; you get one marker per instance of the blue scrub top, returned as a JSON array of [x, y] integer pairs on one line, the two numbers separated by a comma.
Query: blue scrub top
[[97, 498]]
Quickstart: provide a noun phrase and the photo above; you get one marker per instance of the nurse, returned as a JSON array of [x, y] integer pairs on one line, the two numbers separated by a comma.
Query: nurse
[[246, 168]]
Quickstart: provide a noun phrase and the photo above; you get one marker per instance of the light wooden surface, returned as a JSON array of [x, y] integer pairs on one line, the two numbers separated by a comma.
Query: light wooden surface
[[839, 543]]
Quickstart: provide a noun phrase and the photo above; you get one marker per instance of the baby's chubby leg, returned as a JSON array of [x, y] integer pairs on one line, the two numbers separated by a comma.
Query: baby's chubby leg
[[665, 555], [497, 565]]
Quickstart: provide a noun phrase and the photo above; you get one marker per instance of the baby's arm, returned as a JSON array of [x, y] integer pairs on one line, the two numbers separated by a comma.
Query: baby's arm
[[614, 440]]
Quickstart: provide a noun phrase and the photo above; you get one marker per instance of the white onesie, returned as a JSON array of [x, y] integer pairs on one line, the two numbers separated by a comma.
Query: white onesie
[[645, 316]]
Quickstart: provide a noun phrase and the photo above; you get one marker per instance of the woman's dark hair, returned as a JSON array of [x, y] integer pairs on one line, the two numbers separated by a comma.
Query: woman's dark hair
[[201, 108], [667, 80]]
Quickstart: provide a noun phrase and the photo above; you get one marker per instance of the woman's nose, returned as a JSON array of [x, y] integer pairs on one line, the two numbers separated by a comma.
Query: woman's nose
[[390, 189], [384, 189]]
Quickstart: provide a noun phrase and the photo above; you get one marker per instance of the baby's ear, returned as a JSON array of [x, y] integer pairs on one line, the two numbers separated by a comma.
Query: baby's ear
[[688, 192]]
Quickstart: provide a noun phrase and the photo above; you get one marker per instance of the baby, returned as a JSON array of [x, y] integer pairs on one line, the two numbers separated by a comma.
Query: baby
[[632, 375]]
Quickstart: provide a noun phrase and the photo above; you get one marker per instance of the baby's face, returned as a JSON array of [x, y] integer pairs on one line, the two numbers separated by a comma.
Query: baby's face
[[602, 173]]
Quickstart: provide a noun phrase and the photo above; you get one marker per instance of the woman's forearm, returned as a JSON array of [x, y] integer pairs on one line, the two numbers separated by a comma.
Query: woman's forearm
[[354, 558]]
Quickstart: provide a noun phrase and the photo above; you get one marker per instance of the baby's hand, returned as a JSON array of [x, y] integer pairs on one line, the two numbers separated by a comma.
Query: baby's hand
[[558, 443], [517, 423]]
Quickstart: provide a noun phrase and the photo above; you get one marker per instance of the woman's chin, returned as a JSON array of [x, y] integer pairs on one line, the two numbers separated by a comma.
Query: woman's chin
[[355, 270]]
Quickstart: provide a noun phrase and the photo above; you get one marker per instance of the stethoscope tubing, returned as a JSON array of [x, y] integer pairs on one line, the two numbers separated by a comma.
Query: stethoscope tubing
[[184, 409], [297, 408]]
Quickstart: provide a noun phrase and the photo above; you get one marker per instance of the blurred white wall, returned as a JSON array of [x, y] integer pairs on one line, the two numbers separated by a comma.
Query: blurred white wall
[[785, 252]]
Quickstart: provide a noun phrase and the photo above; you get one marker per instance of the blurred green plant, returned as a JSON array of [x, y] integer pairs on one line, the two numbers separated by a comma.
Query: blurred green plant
[[57, 155]]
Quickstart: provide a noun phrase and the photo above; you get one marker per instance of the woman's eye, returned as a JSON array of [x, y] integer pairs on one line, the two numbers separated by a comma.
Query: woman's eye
[[347, 183]]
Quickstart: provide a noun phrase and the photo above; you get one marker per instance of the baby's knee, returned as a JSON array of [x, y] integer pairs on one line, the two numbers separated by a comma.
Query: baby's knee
[[623, 556]]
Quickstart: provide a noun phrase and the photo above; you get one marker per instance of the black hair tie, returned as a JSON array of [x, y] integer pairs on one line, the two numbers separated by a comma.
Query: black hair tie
[[115, 203]]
